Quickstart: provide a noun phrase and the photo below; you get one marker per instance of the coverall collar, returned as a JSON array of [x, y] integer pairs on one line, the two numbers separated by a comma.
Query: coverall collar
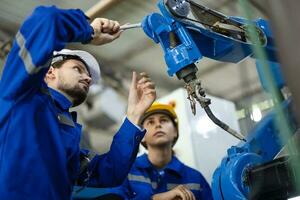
[[175, 165], [60, 99]]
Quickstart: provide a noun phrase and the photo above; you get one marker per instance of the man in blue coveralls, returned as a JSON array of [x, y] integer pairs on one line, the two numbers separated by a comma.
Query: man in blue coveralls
[[160, 175], [39, 138]]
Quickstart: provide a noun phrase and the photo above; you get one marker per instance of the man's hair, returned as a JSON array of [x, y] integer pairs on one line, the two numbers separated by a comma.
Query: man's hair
[[58, 64], [63, 58]]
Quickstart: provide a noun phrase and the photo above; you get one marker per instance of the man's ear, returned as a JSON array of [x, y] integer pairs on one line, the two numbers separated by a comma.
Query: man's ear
[[50, 75]]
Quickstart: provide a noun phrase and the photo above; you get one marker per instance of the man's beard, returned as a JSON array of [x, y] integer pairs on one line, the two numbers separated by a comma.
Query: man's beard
[[76, 93]]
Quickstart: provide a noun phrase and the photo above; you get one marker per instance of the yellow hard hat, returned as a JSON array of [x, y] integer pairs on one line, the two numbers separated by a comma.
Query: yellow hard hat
[[157, 107]]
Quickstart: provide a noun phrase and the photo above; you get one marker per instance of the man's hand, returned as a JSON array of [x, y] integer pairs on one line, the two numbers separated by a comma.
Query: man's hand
[[105, 31], [178, 193], [141, 96]]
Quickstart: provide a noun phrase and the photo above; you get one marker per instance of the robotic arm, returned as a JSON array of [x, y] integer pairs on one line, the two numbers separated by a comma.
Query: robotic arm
[[187, 32]]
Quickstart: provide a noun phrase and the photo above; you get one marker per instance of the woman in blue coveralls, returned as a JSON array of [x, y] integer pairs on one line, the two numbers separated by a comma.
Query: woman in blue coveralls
[[39, 138], [160, 175]]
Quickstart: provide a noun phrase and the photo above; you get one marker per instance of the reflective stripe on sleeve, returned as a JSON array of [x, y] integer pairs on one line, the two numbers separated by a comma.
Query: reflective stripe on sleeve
[[26, 57]]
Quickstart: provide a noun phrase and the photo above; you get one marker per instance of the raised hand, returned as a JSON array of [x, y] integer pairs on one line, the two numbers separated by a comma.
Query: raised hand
[[141, 96]]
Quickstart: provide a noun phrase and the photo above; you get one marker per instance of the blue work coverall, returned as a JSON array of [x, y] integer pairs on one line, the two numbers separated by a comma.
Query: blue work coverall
[[39, 138], [144, 180]]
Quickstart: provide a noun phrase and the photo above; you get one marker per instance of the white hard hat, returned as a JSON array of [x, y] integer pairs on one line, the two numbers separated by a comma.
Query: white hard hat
[[87, 58]]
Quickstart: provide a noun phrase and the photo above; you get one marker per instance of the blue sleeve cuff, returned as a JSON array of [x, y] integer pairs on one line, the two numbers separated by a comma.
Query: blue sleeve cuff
[[137, 126], [89, 32], [130, 130]]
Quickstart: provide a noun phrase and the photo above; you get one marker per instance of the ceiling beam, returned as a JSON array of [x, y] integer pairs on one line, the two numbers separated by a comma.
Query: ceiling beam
[[101, 7]]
